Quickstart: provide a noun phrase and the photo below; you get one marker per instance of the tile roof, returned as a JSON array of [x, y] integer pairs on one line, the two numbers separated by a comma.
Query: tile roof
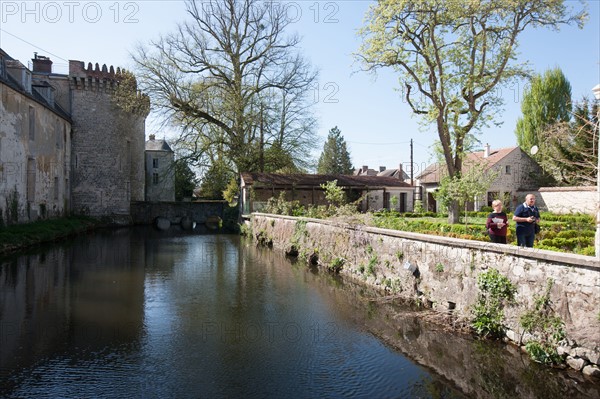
[[434, 172], [274, 179]]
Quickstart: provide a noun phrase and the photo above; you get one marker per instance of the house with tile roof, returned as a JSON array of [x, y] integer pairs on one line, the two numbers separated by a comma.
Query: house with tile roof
[[517, 173], [398, 173], [378, 192]]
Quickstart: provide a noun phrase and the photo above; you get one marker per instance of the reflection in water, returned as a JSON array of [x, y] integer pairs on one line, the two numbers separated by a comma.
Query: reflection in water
[[147, 314]]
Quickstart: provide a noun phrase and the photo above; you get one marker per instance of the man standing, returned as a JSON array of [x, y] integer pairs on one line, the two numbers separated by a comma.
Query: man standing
[[526, 215]]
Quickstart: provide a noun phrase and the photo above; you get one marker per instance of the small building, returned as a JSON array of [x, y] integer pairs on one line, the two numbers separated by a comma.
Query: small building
[[35, 147], [160, 170], [517, 173], [377, 192]]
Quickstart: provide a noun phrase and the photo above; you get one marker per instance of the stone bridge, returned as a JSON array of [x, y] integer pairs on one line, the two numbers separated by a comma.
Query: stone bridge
[[200, 212]]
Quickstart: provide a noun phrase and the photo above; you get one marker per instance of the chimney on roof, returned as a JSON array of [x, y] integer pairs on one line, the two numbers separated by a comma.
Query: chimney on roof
[[382, 168], [152, 137], [41, 64], [486, 150], [365, 168], [400, 172]]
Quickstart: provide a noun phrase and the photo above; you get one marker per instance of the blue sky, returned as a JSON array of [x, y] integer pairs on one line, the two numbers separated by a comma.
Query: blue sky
[[369, 111]]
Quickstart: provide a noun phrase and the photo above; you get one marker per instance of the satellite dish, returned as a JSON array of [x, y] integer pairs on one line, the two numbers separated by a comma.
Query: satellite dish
[[534, 150]]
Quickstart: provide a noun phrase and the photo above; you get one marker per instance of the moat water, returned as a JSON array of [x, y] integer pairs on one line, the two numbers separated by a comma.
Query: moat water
[[140, 313]]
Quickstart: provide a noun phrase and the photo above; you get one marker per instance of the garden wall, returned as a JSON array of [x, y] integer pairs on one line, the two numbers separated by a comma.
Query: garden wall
[[442, 272], [565, 200]]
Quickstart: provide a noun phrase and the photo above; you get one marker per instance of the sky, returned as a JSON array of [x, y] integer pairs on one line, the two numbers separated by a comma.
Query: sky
[[374, 120]]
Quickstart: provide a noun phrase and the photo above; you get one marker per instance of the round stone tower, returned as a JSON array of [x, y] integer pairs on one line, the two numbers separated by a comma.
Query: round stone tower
[[108, 116]]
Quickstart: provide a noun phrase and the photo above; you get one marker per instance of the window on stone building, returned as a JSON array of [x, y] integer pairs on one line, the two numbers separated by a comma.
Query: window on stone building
[[507, 170], [154, 178], [57, 133], [56, 188], [31, 179], [155, 163], [31, 123]]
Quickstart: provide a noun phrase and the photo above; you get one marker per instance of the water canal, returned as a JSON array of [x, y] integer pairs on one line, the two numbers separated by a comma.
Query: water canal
[[138, 313]]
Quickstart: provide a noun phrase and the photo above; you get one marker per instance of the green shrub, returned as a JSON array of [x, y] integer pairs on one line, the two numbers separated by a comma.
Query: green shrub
[[336, 265], [371, 266], [279, 206], [546, 328], [495, 291]]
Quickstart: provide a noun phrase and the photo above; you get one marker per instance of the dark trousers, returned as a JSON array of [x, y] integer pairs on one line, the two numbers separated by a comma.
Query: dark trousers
[[498, 239], [525, 240]]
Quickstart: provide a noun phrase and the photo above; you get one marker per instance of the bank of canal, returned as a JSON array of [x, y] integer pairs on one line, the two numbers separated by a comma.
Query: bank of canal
[[137, 312]]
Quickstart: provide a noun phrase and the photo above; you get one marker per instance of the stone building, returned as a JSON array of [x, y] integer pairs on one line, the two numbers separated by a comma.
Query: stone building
[[516, 172], [160, 170], [108, 143], [35, 147], [67, 144]]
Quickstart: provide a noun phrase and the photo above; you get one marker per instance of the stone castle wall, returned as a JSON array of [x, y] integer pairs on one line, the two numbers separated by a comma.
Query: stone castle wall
[[108, 145]]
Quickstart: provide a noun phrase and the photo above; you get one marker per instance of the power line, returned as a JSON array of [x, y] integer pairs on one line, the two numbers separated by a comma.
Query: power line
[[31, 44], [394, 143], [358, 142]]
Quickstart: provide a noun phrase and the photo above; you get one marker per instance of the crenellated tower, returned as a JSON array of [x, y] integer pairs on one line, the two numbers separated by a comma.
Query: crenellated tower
[[108, 139]]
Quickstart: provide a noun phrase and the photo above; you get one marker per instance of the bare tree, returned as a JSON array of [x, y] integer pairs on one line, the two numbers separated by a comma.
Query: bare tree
[[571, 148], [234, 84]]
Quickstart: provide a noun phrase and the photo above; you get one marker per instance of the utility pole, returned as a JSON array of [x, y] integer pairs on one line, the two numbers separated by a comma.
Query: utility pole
[[411, 163]]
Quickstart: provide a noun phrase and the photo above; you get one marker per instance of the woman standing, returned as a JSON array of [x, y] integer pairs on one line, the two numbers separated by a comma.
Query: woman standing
[[497, 223]]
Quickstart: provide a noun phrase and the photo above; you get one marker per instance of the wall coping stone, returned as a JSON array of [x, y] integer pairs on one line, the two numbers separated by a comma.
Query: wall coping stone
[[575, 260]]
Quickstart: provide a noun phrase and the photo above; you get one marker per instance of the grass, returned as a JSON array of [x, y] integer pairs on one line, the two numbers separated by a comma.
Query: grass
[[19, 236]]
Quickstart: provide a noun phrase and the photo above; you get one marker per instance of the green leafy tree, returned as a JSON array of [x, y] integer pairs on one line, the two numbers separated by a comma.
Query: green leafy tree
[[335, 158], [216, 180], [229, 77], [546, 101], [127, 96], [232, 191], [452, 56], [185, 180], [473, 183]]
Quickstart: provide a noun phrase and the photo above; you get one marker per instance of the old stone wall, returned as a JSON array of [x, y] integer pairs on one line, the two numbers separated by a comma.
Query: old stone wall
[[442, 272], [34, 159], [566, 200], [199, 212], [108, 153]]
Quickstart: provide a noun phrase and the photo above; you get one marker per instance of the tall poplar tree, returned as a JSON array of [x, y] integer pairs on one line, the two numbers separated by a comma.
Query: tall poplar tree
[[451, 56], [546, 101], [335, 158]]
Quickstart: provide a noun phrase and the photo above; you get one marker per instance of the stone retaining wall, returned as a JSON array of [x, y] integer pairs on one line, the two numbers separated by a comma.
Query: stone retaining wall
[[442, 273]]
